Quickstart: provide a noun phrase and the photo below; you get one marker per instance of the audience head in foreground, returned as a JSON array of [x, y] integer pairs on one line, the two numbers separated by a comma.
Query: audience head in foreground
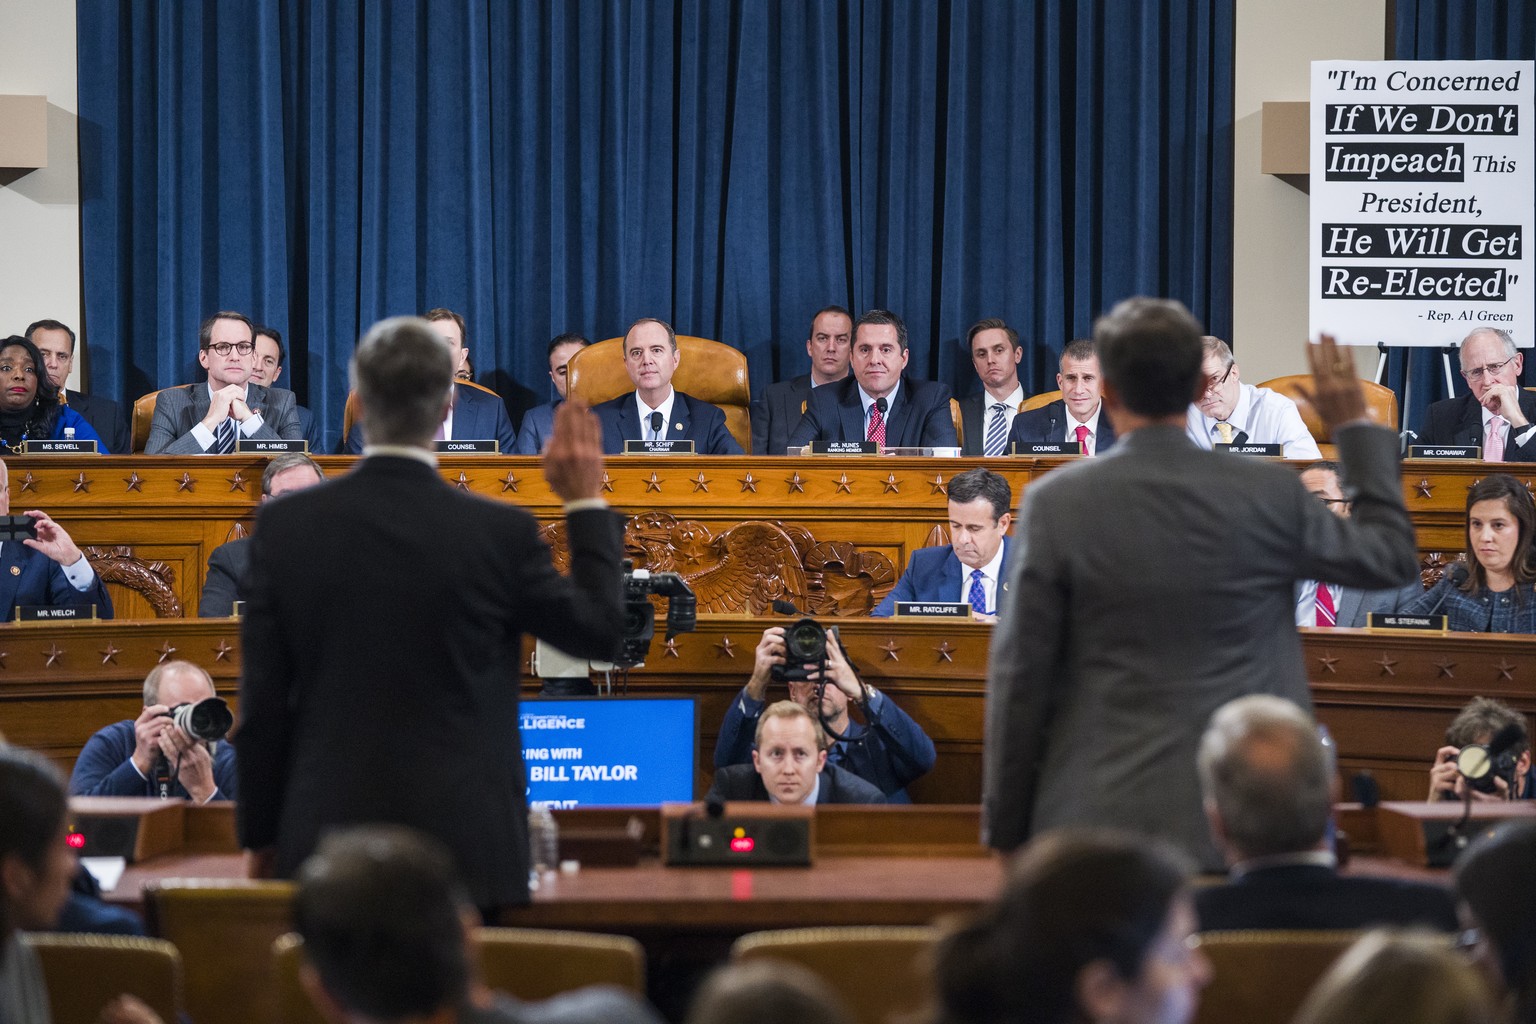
[[766, 992], [1091, 926], [36, 865], [1400, 978], [1496, 880], [1150, 353], [403, 375]]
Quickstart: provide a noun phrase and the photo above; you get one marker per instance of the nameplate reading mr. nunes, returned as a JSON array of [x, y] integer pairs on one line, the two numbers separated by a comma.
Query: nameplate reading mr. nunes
[[47, 613], [1445, 451], [1424, 623], [70, 447], [844, 448], [469, 446], [634, 446], [1047, 448], [1275, 450], [933, 609], [270, 446]]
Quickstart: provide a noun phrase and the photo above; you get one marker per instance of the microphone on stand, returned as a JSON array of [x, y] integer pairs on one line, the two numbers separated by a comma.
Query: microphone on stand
[[657, 422]]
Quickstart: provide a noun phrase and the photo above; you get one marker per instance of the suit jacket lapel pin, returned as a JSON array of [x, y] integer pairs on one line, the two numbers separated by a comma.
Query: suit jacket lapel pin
[[677, 426], [15, 570]]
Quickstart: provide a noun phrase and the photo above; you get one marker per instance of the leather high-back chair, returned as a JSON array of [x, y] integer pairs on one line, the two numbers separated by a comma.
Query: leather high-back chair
[[350, 411], [143, 416], [710, 371], [85, 972], [1040, 401], [877, 970], [1262, 977], [1380, 403]]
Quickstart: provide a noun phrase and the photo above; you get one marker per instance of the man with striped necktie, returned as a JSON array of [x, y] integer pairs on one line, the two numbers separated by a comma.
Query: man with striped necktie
[[973, 567], [985, 419]]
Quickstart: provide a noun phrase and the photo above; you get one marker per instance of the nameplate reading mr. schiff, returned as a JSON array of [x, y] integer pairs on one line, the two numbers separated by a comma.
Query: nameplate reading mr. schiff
[[1046, 448], [844, 448], [1275, 450], [58, 448], [933, 609], [270, 446], [482, 446], [634, 446], [1445, 451], [1423, 623], [48, 613]]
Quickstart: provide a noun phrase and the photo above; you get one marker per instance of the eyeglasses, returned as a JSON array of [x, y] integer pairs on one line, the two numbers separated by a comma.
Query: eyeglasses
[[1478, 372], [1334, 501], [223, 348], [1211, 384]]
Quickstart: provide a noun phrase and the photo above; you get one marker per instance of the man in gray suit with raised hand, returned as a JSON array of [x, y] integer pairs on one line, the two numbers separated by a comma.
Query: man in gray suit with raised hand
[[1156, 583]]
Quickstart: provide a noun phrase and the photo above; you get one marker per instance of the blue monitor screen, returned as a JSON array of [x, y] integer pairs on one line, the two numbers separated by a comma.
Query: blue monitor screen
[[609, 751]]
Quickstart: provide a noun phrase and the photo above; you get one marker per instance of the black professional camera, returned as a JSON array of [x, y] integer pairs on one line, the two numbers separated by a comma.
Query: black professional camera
[[805, 642], [1481, 765], [208, 720], [640, 614]]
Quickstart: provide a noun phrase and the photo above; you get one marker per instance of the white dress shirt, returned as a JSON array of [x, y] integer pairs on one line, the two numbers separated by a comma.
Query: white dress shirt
[[989, 577], [665, 408], [1266, 416]]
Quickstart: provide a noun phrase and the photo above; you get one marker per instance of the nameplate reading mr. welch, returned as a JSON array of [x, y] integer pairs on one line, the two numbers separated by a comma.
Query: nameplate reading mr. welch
[[934, 609], [634, 446], [270, 445], [844, 448], [1422, 623], [59, 448], [469, 446], [1046, 448], [1276, 450], [48, 613], [1445, 451]]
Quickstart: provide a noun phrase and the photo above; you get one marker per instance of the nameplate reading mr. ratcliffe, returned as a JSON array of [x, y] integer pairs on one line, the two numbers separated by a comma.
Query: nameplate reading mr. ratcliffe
[[1275, 450], [270, 445], [1047, 448], [1444, 451], [59, 448], [1422, 623], [469, 446], [844, 448], [934, 609], [634, 446], [47, 613]]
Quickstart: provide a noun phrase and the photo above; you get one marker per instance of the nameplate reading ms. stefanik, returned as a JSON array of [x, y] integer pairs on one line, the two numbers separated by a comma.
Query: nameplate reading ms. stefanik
[[48, 613], [1445, 451], [634, 446], [1420, 623], [844, 448], [933, 609], [1047, 448], [1274, 450], [470, 446], [70, 447], [270, 445]]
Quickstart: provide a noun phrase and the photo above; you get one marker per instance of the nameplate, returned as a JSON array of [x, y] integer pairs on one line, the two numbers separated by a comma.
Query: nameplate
[[1421, 623], [237, 609], [269, 446], [484, 446], [637, 447], [59, 448], [48, 613], [1276, 450], [1444, 451], [1046, 448], [844, 448], [933, 609]]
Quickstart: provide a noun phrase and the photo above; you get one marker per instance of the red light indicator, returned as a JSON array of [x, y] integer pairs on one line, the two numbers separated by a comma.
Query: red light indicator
[[76, 840], [742, 844]]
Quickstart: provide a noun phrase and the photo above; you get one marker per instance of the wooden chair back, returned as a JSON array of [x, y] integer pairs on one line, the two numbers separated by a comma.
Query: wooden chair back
[[710, 371], [879, 971], [1262, 977], [85, 972]]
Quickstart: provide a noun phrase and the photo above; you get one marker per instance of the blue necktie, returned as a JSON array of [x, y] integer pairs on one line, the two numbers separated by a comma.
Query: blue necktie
[[977, 596], [997, 432], [224, 440]]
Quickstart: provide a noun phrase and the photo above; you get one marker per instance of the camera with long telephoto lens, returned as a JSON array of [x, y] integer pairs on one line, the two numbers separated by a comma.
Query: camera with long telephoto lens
[[640, 613], [1481, 766], [805, 643], [208, 719]]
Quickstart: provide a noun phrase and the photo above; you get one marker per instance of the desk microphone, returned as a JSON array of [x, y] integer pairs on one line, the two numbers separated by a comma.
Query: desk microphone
[[1458, 576], [781, 607], [657, 422], [1240, 438]]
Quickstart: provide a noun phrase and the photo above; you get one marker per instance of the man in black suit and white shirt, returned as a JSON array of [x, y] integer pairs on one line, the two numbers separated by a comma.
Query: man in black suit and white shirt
[[227, 563], [789, 765], [1078, 415], [985, 419], [384, 630], [57, 344], [1496, 412], [776, 413]]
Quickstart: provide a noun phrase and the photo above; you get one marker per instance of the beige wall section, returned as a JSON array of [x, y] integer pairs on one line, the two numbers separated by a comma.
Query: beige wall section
[[1277, 40], [40, 209]]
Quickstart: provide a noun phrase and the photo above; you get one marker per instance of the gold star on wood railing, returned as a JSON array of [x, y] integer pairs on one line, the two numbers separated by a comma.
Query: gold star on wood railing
[[28, 483], [1328, 662], [844, 485], [945, 651], [1506, 669], [165, 650], [892, 650], [462, 483], [54, 654], [795, 484], [607, 483], [186, 483], [509, 483], [891, 486], [134, 482], [1386, 661], [1425, 489], [109, 653], [237, 482], [724, 648], [748, 483], [653, 484], [82, 484], [1445, 665], [938, 486], [222, 652]]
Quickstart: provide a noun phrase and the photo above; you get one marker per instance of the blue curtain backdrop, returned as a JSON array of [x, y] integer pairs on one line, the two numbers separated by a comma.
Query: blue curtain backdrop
[[1454, 30], [729, 166]]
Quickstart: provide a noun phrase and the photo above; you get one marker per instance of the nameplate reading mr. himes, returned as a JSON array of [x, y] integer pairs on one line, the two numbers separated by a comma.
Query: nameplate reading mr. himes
[[269, 446]]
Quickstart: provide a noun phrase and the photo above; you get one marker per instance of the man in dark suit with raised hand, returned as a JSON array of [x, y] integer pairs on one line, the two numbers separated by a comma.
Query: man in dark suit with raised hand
[[778, 411], [384, 627], [57, 344], [655, 410], [1496, 412], [879, 403], [1155, 583], [1078, 415]]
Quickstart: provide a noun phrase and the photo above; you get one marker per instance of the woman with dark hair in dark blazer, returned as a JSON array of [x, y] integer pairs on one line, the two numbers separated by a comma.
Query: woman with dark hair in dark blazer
[[1495, 591]]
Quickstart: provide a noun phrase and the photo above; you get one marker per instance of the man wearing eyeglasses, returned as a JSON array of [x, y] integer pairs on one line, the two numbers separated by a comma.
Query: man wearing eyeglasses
[[207, 419], [1496, 412], [1325, 605], [1231, 412]]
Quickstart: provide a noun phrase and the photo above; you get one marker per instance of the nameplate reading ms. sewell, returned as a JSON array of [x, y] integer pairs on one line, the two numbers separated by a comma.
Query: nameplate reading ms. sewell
[[482, 446], [933, 609], [59, 448], [844, 448], [1423, 623], [1444, 451], [48, 613], [1275, 450], [1046, 448], [270, 446], [634, 446]]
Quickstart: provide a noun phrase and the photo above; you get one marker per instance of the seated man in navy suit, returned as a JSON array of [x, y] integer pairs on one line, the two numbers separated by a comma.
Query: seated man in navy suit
[[1332, 604], [1267, 781], [47, 571], [986, 418], [539, 422], [973, 567], [271, 354], [778, 411], [789, 765], [655, 411], [1496, 412], [1078, 415], [879, 403], [57, 344]]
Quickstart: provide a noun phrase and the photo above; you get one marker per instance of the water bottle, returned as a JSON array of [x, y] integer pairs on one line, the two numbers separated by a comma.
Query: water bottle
[[543, 844]]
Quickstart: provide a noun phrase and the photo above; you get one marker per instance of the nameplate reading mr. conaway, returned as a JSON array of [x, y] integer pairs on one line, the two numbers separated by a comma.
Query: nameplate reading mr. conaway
[[470, 446], [844, 448], [1275, 450], [270, 446], [1444, 451], [46, 613], [934, 609], [678, 447], [1428, 623]]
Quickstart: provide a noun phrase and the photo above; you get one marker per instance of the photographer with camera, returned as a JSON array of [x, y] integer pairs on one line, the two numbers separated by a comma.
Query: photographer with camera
[[172, 749], [889, 749], [1484, 723]]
